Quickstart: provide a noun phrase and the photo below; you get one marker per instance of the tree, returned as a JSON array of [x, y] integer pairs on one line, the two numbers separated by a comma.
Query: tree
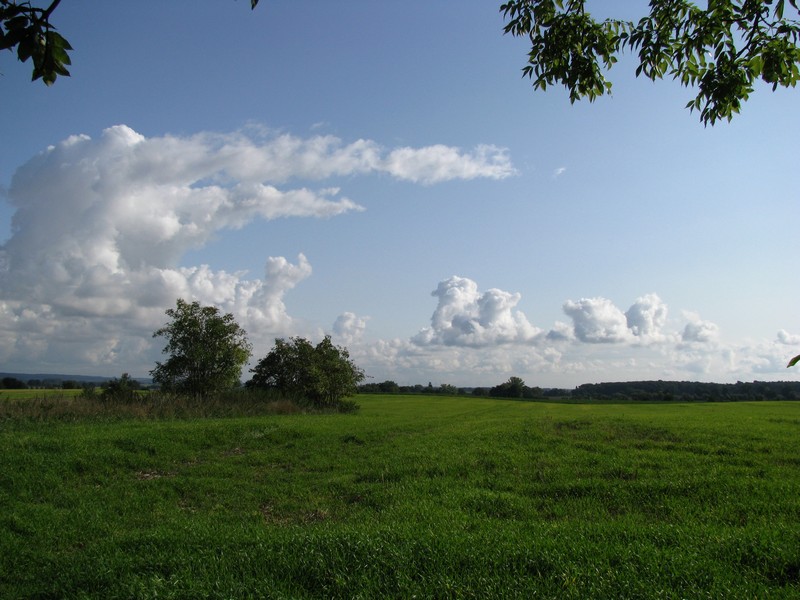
[[389, 387], [515, 388], [323, 374], [207, 350], [12, 383], [722, 49], [121, 390]]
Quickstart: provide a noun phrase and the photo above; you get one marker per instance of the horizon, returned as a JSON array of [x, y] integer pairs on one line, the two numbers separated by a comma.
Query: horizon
[[72, 377]]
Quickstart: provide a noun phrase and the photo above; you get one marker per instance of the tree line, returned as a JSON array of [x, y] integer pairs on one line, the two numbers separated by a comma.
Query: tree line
[[627, 391], [514, 387], [688, 391]]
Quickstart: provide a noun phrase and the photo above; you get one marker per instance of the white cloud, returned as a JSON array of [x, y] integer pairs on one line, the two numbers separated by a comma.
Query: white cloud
[[784, 337], [647, 317], [441, 163], [561, 332], [699, 331], [559, 172], [458, 348], [466, 317], [349, 327], [597, 320], [100, 227]]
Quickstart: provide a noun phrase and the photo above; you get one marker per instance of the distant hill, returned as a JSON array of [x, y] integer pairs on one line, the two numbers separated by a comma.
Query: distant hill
[[60, 377]]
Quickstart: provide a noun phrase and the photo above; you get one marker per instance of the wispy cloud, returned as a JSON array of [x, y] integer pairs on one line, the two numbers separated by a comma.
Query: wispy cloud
[[435, 164]]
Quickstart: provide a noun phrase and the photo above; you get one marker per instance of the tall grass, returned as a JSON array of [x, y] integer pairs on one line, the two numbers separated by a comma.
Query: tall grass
[[410, 497], [77, 405]]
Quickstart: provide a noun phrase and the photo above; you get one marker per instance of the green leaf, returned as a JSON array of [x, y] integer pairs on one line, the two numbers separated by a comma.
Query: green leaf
[[794, 361], [26, 47]]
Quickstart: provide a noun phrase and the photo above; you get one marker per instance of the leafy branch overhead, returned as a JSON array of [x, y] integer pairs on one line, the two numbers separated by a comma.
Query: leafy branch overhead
[[28, 29], [722, 49]]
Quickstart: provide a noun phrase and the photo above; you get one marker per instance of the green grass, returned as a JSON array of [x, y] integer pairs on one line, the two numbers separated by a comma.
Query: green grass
[[412, 496]]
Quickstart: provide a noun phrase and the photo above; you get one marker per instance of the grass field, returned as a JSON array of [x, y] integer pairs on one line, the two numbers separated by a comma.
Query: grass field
[[31, 394], [425, 497]]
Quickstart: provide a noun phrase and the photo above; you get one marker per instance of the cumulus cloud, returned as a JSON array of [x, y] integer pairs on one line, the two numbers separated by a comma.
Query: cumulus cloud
[[349, 327], [101, 225], [467, 345], [647, 317], [784, 337], [466, 317], [597, 320], [698, 331]]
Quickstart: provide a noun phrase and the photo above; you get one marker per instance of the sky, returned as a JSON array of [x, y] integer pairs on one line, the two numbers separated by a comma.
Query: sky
[[381, 172]]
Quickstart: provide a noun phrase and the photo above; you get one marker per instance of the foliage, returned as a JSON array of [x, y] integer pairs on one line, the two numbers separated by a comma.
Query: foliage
[[207, 350], [323, 374], [515, 388], [794, 361], [688, 391], [722, 49], [12, 383], [424, 496], [28, 29], [121, 390], [384, 387]]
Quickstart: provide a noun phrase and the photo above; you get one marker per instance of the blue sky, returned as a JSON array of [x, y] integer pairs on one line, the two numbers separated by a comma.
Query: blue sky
[[382, 173]]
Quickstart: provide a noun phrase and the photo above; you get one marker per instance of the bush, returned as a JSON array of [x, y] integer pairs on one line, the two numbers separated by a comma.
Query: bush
[[121, 390], [321, 376]]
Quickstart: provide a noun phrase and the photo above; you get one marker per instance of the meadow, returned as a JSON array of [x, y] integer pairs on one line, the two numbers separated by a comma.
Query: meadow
[[410, 497]]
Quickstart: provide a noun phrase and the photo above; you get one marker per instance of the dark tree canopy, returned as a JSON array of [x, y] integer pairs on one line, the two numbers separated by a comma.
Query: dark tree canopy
[[721, 49], [323, 374], [28, 29], [515, 388], [121, 390], [207, 351]]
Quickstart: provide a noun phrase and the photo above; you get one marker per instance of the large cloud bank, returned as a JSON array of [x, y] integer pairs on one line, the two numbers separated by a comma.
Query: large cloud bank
[[101, 225]]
